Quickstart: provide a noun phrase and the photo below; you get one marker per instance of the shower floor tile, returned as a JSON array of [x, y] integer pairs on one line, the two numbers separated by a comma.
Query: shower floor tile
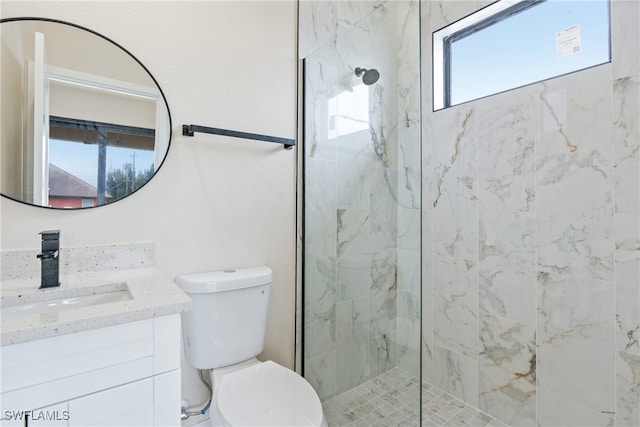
[[391, 399], [439, 408]]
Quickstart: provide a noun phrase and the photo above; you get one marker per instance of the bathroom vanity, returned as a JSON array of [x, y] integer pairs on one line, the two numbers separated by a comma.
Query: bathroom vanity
[[102, 362]]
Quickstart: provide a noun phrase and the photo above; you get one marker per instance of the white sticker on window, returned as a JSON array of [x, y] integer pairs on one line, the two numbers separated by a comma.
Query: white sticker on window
[[568, 41]]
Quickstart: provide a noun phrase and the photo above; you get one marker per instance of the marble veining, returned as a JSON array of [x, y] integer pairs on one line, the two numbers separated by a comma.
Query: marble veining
[[320, 305], [322, 22], [352, 343], [456, 305], [507, 289], [377, 129], [575, 332], [560, 126], [574, 190], [456, 373], [458, 146], [625, 49], [408, 334], [455, 202], [627, 389], [506, 153], [384, 209], [353, 232], [507, 370], [321, 208], [627, 217], [320, 371]]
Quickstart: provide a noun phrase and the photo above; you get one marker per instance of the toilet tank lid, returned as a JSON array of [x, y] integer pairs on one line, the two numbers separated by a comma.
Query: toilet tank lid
[[224, 280]]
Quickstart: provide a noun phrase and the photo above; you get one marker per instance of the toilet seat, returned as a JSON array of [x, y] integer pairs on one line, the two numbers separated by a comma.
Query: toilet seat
[[268, 394]]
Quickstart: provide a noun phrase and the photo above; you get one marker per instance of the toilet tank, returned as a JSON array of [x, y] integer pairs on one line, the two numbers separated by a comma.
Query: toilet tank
[[227, 322]]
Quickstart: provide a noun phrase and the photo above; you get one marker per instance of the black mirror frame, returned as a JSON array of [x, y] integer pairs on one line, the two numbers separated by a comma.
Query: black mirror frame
[[164, 98]]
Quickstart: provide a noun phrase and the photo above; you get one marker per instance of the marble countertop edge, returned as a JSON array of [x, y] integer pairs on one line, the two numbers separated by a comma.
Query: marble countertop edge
[[153, 295]]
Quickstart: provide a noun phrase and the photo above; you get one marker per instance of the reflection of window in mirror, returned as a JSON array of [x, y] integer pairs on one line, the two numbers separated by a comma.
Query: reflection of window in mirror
[[118, 156], [105, 161], [94, 163], [78, 108], [55, 69]]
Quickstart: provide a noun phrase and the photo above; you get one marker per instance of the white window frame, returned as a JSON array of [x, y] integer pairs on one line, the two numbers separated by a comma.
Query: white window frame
[[122, 88], [39, 84]]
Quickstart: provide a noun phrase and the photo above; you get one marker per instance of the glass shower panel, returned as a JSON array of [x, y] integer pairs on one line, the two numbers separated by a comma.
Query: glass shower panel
[[362, 210]]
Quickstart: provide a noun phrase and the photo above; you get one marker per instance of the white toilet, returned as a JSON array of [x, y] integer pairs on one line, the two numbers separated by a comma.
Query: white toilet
[[224, 332]]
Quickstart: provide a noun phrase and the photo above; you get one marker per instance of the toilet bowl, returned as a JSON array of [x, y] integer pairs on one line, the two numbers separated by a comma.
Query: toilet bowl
[[264, 394], [224, 332]]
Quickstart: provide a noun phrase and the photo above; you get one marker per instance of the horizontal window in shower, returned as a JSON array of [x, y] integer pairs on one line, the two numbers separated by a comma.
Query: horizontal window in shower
[[511, 44]]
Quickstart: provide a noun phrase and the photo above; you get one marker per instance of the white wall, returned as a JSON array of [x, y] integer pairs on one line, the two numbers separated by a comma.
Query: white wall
[[216, 202]]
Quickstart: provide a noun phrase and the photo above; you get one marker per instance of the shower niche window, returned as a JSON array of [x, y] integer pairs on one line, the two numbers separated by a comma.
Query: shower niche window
[[348, 112]]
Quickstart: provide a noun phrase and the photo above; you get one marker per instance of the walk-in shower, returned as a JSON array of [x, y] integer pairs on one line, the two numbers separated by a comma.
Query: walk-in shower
[[361, 284], [468, 253]]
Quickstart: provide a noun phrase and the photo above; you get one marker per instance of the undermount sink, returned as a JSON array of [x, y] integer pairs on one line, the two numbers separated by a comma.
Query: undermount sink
[[58, 299]]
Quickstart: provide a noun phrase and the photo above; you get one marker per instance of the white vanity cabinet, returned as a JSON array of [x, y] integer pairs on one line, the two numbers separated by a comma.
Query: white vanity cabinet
[[123, 375]]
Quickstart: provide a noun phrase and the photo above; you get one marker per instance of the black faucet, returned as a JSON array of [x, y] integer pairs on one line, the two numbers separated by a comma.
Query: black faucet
[[50, 257]]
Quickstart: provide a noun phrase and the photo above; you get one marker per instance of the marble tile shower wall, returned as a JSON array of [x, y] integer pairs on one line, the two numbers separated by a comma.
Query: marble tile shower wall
[[531, 240], [362, 199]]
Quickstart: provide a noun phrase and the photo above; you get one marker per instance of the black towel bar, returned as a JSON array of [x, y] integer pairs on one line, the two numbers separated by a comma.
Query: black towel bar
[[189, 130]]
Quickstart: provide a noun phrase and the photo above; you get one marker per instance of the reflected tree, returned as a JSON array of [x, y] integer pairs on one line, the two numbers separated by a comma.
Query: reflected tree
[[124, 181]]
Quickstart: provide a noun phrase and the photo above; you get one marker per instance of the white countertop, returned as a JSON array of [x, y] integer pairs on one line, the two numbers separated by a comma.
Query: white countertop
[[153, 295]]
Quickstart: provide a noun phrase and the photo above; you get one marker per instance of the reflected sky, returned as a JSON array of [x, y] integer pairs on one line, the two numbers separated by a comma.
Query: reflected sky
[[523, 49], [81, 160]]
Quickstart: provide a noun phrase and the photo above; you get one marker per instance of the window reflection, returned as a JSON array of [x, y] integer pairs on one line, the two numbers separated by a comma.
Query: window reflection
[[92, 163], [349, 112]]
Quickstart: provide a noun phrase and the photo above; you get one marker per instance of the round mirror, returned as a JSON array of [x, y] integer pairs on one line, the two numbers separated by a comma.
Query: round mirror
[[82, 122]]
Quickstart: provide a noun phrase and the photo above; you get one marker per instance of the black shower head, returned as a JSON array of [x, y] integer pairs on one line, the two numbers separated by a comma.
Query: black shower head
[[369, 76]]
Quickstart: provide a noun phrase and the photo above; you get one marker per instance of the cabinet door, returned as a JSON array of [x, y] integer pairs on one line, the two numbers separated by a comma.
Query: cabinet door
[[167, 399], [127, 405]]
